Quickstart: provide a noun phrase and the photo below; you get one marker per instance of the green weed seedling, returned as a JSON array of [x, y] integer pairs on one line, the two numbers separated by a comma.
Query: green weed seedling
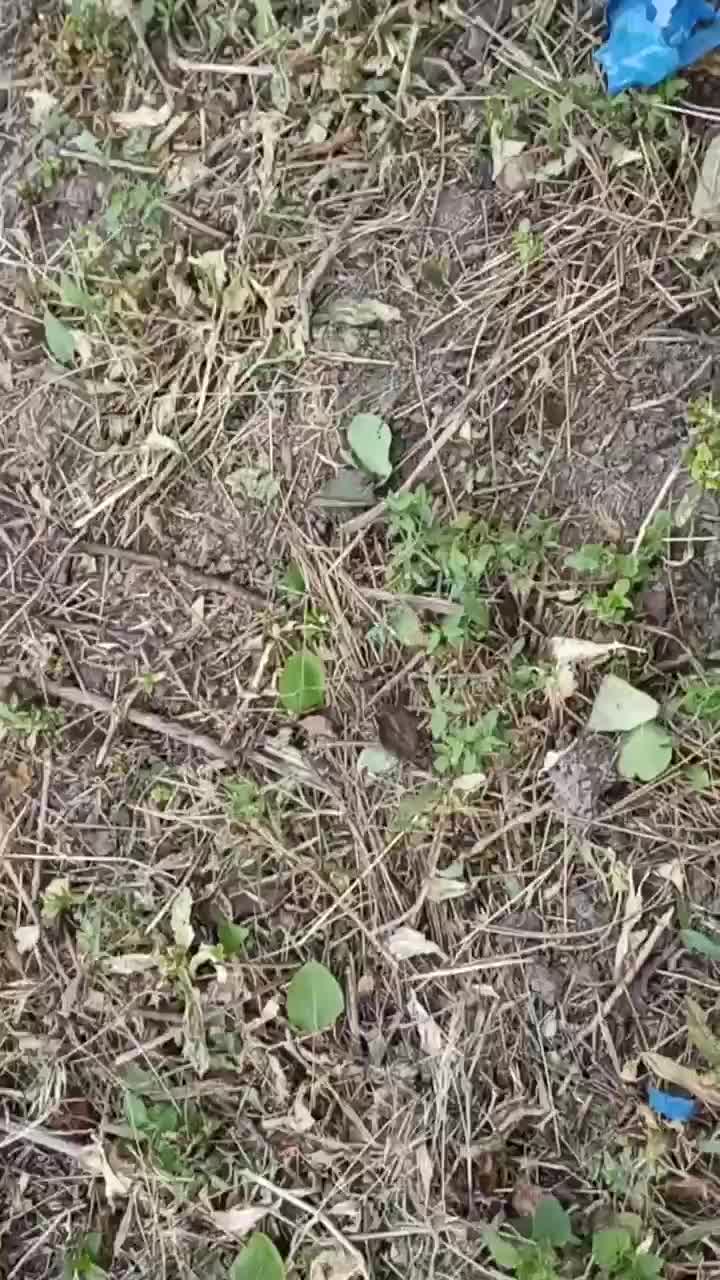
[[525, 109], [458, 560], [81, 1262], [529, 245], [544, 1247], [245, 801], [703, 457], [171, 1136], [620, 575], [28, 722], [701, 699], [463, 746]]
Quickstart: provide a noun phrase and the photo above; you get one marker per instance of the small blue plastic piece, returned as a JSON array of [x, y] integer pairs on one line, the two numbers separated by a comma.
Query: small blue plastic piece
[[670, 1106], [650, 40]]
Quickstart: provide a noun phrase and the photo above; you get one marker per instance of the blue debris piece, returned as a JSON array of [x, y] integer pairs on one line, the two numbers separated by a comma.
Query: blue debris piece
[[650, 40], [670, 1106]]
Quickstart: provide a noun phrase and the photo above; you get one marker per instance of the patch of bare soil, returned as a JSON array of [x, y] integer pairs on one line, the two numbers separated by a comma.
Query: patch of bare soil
[[626, 428]]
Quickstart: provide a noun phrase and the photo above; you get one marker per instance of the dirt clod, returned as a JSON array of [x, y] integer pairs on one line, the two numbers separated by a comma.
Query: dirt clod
[[583, 775]]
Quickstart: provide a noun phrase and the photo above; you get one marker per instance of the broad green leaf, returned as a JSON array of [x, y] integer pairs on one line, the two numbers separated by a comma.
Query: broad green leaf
[[232, 937], [293, 580], [700, 943], [647, 1266], [619, 707], [85, 142], [349, 488], [59, 338], [258, 1260], [610, 1246], [377, 760], [551, 1224], [503, 1252], [73, 296], [136, 1111], [302, 682], [646, 752], [406, 627], [370, 439], [314, 998], [265, 21]]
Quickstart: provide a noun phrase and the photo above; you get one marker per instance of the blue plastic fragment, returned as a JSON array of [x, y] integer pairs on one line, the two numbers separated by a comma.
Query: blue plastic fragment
[[670, 1106], [650, 40]]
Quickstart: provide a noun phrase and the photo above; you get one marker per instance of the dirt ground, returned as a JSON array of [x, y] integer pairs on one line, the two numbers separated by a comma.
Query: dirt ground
[[205, 197]]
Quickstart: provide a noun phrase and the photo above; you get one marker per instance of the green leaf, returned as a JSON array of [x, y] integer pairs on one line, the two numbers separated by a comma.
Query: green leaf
[[700, 943], [136, 1111], [376, 760], [258, 1260], [698, 777], [232, 937], [406, 627], [73, 296], [293, 580], [610, 1246], [551, 1225], [415, 806], [302, 682], [590, 559], [618, 706], [314, 998], [370, 439], [503, 1252], [647, 1266], [59, 338], [265, 20], [646, 752], [349, 488]]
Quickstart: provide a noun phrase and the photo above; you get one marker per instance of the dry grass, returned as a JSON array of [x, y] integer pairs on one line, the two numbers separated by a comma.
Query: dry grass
[[142, 603]]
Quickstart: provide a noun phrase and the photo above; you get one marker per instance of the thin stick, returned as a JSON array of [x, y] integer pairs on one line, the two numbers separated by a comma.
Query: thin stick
[[258, 70], [536, 812], [41, 1137], [664, 489], [432, 604], [208, 581], [304, 1207], [640, 960], [145, 719]]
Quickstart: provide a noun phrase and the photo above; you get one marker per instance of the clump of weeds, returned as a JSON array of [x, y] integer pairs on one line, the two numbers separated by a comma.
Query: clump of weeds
[[618, 575], [459, 559], [545, 1247]]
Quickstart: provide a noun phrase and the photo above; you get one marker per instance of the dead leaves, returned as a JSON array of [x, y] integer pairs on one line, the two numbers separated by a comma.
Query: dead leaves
[[406, 943], [706, 201], [337, 1264], [431, 1037], [705, 1088], [240, 1220]]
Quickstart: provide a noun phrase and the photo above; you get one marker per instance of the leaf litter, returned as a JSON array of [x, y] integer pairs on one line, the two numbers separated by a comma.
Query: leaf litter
[[313, 264]]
